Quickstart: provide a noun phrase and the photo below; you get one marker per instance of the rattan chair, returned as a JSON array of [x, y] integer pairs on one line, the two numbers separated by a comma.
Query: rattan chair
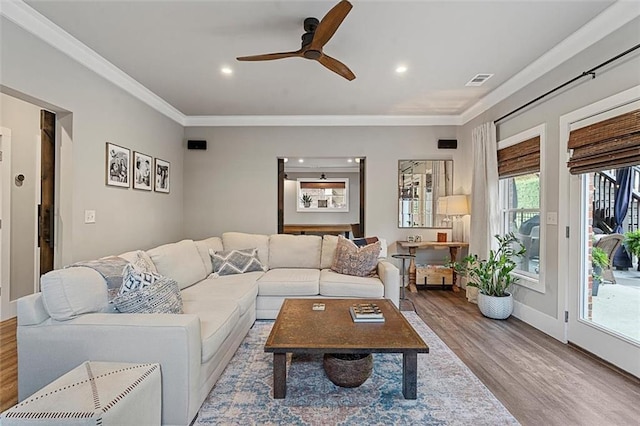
[[610, 244]]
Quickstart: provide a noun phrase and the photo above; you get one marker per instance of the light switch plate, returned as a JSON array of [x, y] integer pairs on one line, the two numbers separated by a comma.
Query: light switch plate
[[552, 218], [89, 216]]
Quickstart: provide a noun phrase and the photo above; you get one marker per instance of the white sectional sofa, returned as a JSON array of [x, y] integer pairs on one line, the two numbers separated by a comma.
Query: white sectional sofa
[[71, 321]]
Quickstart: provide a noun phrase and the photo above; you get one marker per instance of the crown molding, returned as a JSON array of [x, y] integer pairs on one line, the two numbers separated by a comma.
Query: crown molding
[[321, 120], [611, 19], [29, 19]]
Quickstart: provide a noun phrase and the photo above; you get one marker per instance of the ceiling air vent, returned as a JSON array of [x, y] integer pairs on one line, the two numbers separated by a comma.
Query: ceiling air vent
[[479, 79]]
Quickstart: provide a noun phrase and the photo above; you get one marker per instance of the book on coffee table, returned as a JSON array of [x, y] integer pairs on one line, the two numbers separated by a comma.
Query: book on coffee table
[[366, 312]]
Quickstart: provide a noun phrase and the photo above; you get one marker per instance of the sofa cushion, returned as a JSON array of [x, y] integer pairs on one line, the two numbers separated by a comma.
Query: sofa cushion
[[333, 284], [162, 296], [353, 260], [240, 240], [240, 289], [329, 244], [289, 282], [231, 262], [180, 261], [69, 292], [294, 251], [203, 246], [218, 318]]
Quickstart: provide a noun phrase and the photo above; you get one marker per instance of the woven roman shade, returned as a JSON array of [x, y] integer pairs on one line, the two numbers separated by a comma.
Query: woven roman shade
[[519, 159], [608, 144]]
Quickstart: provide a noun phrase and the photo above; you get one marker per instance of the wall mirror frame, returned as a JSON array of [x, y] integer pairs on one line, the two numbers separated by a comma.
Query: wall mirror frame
[[422, 188]]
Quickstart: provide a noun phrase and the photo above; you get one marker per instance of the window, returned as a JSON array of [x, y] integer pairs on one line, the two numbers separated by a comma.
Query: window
[[520, 191], [520, 208]]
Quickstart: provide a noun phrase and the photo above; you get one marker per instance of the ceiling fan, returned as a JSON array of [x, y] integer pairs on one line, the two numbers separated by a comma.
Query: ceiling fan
[[317, 34]]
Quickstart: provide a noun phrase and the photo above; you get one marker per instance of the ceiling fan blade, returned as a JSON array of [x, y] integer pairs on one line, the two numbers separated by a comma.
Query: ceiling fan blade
[[336, 66], [329, 24], [270, 56]]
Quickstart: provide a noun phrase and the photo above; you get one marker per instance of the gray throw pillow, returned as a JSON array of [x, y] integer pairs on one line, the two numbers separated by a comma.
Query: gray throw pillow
[[231, 262]]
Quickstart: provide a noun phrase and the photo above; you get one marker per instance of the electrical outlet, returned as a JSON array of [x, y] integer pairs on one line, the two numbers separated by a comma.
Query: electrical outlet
[[89, 216], [552, 218]]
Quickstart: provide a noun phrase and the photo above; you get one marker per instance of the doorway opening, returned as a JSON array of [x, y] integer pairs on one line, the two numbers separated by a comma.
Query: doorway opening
[[327, 213]]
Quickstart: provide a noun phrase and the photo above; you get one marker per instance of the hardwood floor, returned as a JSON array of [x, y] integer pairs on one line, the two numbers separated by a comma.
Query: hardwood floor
[[540, 380], [8, 364]]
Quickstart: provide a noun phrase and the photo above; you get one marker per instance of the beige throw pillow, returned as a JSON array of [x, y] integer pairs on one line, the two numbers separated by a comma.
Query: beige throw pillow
[[353, 260]]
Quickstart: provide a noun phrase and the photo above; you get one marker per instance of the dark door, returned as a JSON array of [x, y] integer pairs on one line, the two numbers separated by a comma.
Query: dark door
[[46, 210]]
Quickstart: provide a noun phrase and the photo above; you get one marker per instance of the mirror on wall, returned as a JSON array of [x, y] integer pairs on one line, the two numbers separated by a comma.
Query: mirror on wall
[[422, 188]]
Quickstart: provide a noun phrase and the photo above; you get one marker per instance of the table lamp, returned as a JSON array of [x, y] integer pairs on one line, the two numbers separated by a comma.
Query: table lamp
[[457, 206]]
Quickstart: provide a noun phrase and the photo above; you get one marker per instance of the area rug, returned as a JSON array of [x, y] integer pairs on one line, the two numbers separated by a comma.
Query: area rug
[[448, 392]]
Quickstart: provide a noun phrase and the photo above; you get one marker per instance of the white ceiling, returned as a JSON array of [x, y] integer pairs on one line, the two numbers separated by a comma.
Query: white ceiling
[[177, 48]]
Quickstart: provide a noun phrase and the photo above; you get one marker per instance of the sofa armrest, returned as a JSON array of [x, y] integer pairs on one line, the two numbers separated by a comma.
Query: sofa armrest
[[51, 349], [390, 277]]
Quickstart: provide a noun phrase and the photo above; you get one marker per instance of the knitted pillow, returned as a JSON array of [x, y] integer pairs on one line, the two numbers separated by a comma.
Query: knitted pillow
[[160, 297], [353, 260], [231, 262]]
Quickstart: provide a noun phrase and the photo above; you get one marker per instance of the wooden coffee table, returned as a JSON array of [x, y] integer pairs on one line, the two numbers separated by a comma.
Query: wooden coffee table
[[300, 330]]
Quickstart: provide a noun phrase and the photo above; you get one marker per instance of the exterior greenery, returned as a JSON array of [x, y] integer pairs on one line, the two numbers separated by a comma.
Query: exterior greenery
[[599, 260], [632, 242], [493, 275]]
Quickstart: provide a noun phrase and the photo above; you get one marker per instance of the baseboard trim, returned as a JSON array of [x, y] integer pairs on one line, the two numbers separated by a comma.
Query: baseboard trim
[[554, 327]]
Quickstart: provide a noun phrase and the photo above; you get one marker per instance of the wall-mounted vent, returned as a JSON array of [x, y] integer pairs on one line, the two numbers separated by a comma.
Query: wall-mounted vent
[[479, 79]]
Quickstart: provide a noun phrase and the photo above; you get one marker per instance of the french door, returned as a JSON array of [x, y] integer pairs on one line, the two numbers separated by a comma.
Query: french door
[[605, 323], [584, 329]]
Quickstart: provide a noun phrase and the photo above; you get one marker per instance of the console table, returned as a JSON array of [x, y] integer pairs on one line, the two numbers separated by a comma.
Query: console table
[[318, 229], [430, 245]]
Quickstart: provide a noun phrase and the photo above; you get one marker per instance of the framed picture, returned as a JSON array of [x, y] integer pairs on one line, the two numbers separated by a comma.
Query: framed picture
[[163, 176], [142, 167], [117, 165]]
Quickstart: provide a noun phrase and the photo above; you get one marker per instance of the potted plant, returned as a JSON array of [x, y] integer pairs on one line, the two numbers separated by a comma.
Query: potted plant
[[306, 200], [632, 243], [599, 260], [493, 276]]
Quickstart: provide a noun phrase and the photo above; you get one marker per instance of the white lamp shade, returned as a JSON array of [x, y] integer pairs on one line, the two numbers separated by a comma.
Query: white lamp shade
[[457, 205], [442, 205]]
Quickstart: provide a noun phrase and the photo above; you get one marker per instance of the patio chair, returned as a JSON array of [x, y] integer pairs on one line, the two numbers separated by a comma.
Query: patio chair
[[610, 244]]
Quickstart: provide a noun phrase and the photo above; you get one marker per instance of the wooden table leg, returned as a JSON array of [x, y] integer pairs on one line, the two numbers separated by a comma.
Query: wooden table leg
[[410, 375], [412, 271], [453, 252], [279, 375]]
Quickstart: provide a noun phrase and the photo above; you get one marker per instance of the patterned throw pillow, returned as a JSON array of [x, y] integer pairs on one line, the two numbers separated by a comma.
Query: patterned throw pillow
[[160, 297], [353, 260], [142, 262], [136, 278], [231, 262]]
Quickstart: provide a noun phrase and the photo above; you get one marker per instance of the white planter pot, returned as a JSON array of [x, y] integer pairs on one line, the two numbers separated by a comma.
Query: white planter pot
[[495, 307]]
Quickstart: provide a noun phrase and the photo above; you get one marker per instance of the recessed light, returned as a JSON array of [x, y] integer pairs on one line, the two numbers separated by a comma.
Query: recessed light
[[357, 160], [300, 160], [285, 159], [401, 69], [226, 70], [349, 160]]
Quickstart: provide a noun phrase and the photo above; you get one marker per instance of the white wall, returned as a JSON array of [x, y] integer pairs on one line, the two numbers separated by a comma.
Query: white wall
[[92, 111], [613, 79], [242, 161], [23, 119]]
